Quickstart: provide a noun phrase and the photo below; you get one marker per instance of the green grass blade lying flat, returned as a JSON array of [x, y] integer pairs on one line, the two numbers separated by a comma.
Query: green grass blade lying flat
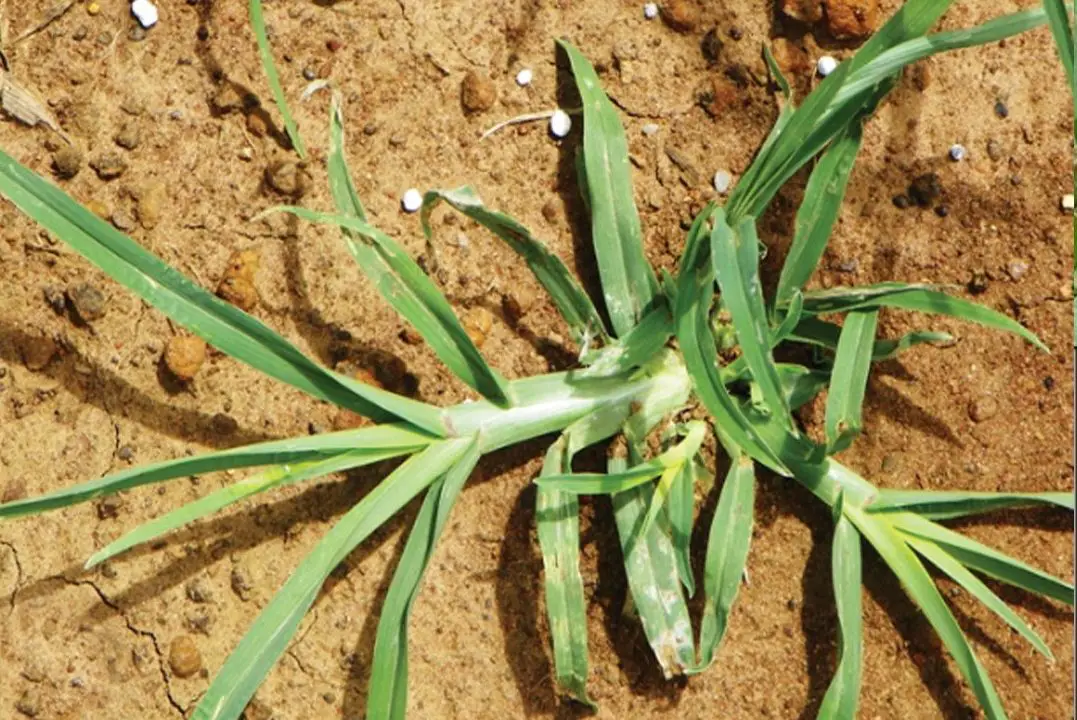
[[271, 632], [849, 379], [397, 439], [822, 333], [913, 49], [557, 515], [695, 290], [260, 482], [258, 24], [843, 695], [818, 212], [946, 504], [980, 557], [628, 282], [921, 588], [727, 554], [735, 257], [416, 298], [913, 297], [653, 580], [217, 322], [976, 587], [565, 291], [681, 505], [388, 695]]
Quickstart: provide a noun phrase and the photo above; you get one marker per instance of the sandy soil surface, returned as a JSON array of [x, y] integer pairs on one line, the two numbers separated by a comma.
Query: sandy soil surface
[[178, 109]]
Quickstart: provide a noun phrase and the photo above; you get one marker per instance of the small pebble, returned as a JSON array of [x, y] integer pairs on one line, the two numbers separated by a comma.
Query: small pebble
[[942, 211], [30, 703], [1001, 110], [681, 15], [287, 178], [649, 129], [412, 200], [983, 408], [958, 152], [145, 12], [1016, 269], [67, 161], [54, 296], [477, 93], [524, 77], [650, 11], [199, 591], [136, 34], [978, 283], [129, 136], [560, 123], [184, 657], [925, 189], [37, 351], [108, 165], [109, 507], [711, 46], [237, 284], [87, 300], [241, 582], [1067, 202], [901, 201], [722, 181], [309, 74], [185, 356], [125, 453], [994, 150], [826, 65], [478, 322], [93, 8], [123, 220]]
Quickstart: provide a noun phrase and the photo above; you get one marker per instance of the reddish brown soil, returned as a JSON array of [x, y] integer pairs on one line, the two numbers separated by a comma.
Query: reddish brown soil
[[96, 645]]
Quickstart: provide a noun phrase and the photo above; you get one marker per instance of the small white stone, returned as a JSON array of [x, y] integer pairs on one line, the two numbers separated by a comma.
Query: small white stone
[[145, 12], [1067, 202], [649, 129], [826, 65], [650, 11], [958, 152], [412, 200], [560, 123], [722, 181], [524, 77]]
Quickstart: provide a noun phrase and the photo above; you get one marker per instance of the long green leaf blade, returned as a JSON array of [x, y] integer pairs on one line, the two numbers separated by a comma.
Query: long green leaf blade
[[849, 379], [557, 515], [260, 482], [949, 504], [843, 695], [727, 554], [570, 299], [414, 295], [921, 588], [976, 587], [217, 322], [628, 281], [735, 257], [818, 212], [398, 439], [681, 506], [821, 333], [695, 291], [654, 582], [258, 24], [985, 559], [388, 696], [271, 632], [913, 297]]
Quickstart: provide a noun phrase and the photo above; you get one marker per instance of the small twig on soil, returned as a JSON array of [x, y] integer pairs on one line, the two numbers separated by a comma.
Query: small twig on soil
[[529, 117], [53, 14]]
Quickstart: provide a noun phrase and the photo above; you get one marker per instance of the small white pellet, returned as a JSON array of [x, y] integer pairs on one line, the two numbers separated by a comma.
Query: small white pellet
[[412, 200], [524, 77], [722, 181], [145, 12], [826, 65], [958, 152], [1067, 202], [649, 129], [650, 11], [560, 123]]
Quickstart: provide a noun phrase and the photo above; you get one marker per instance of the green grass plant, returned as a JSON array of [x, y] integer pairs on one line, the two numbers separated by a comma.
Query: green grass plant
[[657, 356]]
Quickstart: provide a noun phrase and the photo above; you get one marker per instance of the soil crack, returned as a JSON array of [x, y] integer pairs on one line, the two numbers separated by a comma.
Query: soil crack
[[137, 631], [18, 573]]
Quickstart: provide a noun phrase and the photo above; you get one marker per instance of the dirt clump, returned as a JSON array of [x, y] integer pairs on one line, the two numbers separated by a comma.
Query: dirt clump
[[477, 93], [185, 356], [681, 15], [184, 657], [237, 285]]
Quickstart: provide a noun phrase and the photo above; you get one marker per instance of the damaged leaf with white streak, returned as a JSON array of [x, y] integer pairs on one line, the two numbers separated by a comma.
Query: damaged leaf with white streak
[[21, 104]]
